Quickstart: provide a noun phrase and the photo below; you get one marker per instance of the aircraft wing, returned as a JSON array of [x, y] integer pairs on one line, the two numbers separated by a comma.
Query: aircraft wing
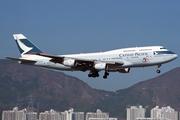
[[22, 60], [82, 64], [60, 59]]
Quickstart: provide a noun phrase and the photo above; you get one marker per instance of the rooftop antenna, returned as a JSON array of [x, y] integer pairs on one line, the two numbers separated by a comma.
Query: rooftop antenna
[[31, 102]]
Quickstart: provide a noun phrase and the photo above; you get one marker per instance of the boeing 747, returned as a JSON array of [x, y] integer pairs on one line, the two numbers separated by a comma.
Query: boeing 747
[[119, 60]]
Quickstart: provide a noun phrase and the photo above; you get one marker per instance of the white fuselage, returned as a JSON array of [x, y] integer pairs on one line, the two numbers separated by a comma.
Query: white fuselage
[[120, 60], [131, 57]]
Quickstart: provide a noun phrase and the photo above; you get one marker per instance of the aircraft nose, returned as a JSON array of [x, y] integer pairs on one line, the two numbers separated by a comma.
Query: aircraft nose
[[175, 56]]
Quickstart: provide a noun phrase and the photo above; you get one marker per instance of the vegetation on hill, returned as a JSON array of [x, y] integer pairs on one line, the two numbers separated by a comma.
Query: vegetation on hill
[[55, 90]]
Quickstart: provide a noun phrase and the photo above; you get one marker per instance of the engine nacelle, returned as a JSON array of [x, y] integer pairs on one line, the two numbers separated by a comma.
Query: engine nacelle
[[100, 66], [69, 62], [125, 70]]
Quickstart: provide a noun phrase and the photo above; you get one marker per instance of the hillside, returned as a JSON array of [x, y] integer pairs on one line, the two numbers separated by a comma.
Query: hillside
[[51, 89], [163, 91], [55, 90]]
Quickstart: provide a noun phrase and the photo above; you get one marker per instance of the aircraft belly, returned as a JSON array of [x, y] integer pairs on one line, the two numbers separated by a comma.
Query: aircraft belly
[[52, 65]]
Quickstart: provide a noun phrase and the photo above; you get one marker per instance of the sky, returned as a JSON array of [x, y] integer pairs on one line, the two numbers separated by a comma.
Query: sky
[[61, 27]]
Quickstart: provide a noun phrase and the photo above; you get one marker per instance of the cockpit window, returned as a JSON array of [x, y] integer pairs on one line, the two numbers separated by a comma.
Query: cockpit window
[[163, 52], [162, 48]]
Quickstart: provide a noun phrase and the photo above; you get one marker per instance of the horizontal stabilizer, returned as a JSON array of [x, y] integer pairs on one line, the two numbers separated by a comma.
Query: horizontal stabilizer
[[22, 60]]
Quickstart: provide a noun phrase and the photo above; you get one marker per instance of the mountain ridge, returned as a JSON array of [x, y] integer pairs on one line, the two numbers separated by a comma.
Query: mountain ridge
[[55, 90]]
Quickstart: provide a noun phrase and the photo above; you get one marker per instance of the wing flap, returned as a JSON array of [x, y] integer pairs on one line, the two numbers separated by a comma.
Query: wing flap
[[60, 59]]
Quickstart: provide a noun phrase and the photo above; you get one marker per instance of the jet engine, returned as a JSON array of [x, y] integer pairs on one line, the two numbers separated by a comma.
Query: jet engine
[[125, 70], [69, 62], [100, 66]]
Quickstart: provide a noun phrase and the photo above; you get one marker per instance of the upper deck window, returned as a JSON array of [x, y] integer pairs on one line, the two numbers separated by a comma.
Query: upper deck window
[[162, 48], [145, 49], [128, 50]]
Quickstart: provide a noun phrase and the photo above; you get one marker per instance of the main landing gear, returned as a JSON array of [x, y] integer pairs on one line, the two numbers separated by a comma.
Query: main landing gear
[[96, 74], [105, 75], [158, 71], [93, 74]]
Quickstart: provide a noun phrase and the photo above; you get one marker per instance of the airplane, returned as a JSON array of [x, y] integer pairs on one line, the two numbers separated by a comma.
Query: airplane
[[119, 60]]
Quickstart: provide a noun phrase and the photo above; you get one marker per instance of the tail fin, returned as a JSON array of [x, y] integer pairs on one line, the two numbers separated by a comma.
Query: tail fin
[[25, 46]]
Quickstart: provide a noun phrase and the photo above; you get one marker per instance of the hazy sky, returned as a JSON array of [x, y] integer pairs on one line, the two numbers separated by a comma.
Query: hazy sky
[[82, 26]]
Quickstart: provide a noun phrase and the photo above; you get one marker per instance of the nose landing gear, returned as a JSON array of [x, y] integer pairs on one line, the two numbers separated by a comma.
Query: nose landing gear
[[158, 71]]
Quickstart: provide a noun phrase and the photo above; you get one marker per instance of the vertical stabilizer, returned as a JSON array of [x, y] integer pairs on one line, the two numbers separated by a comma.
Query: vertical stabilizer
[[25, 46]]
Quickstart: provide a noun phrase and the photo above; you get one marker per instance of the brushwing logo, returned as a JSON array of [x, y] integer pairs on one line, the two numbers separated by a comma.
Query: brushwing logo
[[23, 47], [145, 60]]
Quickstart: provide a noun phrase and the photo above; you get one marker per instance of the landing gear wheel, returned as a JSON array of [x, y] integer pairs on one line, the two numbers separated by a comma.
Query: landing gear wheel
[[104, 76], [89, 75], [93, 74], [158, 71]]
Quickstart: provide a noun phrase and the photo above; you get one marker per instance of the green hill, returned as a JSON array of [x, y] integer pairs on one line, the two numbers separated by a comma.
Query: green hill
[[55, 90]]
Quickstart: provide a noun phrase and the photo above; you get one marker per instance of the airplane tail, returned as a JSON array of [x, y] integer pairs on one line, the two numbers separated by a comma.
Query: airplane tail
[[25, 46]]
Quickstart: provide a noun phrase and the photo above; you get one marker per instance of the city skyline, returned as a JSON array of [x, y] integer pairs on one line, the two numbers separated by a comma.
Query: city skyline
[[133, 113]]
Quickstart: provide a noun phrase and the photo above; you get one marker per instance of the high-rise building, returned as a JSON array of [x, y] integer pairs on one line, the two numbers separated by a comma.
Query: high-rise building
[[135, 112], [14, 114], [102, 118], [78, 116], [67, 115], [31, 116], [152, 119], [98, 115], [50, 115], [164, 112]]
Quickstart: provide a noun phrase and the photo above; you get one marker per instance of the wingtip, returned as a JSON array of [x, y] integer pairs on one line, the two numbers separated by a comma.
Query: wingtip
[[7, 57]]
